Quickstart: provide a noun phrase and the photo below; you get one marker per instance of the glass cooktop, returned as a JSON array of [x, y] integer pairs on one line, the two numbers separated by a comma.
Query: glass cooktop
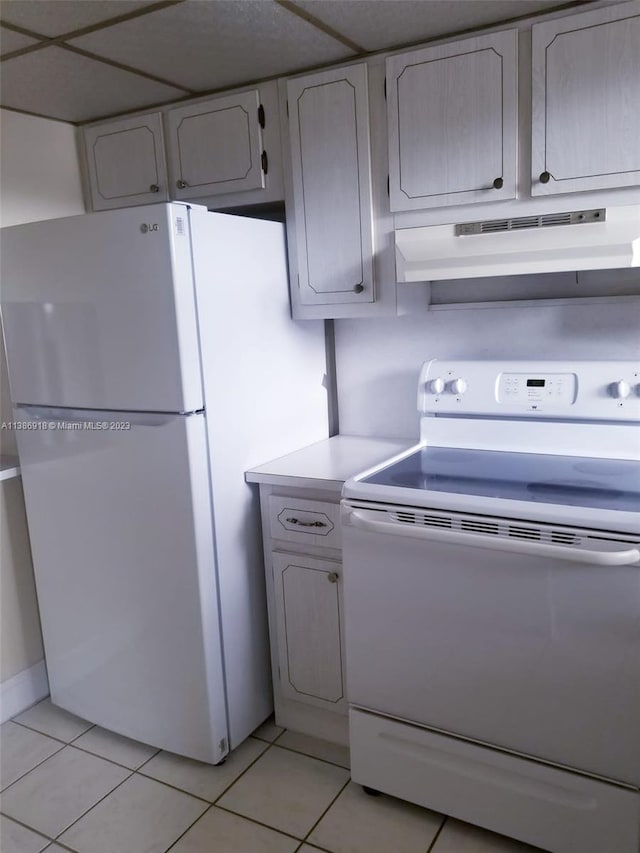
[[566, 480]]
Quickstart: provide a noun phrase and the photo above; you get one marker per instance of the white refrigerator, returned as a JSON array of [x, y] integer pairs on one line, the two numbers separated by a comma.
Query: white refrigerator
[[152, 360]]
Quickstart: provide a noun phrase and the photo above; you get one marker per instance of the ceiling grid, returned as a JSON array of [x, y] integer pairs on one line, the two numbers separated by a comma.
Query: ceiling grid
[[81, 61]]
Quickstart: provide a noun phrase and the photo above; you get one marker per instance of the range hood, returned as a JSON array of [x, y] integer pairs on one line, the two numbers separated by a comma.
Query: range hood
[[601, 238]]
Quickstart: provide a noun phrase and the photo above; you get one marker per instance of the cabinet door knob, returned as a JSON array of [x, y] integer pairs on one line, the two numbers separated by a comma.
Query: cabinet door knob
[[181, 184], [332, 577], [545, 177], [498, 184], [154, 188], [358, 288]]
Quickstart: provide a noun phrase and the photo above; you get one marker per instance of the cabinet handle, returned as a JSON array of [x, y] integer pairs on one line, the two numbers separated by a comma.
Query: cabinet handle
[[181, 184], [332, 577], [265, 162], [305, 523], [498, 184], [358, 288], [154, 188], [545, 177]]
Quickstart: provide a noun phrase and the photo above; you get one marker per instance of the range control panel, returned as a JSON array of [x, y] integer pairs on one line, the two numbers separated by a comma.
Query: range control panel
[[581, 390], [537, 389]]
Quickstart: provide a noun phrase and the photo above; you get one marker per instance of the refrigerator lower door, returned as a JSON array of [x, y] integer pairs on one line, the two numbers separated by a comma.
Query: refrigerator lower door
[[99, 311], [120, 523]]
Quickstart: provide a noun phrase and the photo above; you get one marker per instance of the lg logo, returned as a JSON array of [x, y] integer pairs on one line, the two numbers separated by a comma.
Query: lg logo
[[145, 228]]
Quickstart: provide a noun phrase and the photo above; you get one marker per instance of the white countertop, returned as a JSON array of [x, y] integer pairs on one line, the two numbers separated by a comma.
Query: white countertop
[[9, 466], [331, 461]]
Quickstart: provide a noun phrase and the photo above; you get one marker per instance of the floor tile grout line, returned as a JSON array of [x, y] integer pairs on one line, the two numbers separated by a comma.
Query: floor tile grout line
[[266, 740], [112, 760], [86, 731], [214, 804], [248, 767], [431, 847], [259, 823], [209, 803], [301, 752], [73, 823], [306, 838], [189, 793], [38, 732], [191, 825], [174, 787], [39, 832], [309, 755], [147, 760], [26, 773]]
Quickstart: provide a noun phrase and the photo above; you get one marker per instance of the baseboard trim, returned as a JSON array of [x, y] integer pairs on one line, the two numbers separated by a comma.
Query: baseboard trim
[[23, 690]]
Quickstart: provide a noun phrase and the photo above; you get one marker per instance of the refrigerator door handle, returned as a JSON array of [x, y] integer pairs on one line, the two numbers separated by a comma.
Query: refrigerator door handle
[[102, 418]]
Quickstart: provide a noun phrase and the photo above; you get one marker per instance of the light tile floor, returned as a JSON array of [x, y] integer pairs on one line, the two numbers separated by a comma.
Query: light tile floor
[[92, 791]]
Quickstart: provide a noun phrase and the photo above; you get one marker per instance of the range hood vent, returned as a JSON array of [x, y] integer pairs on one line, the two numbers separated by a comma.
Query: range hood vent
[[543, 242], [491, 226]]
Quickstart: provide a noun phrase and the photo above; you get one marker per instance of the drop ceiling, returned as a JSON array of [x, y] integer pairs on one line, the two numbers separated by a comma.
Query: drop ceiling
[[81, 60]]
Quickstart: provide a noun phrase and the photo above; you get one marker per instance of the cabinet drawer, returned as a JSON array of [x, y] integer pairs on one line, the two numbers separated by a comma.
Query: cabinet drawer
[[295, 520]]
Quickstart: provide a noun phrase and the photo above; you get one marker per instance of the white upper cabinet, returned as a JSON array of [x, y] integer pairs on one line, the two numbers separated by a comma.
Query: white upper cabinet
[[125, 162], [586, 101], [215, 146], [452, 114], [331, 177]]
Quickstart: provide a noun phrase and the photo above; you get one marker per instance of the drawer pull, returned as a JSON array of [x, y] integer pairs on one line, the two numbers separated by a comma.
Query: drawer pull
[[305, 523]]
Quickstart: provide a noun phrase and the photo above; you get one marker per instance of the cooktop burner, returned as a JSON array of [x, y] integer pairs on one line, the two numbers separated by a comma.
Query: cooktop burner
[[563, 480]]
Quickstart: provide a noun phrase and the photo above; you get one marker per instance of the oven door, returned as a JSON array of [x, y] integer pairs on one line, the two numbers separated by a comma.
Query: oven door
[[518, 635]]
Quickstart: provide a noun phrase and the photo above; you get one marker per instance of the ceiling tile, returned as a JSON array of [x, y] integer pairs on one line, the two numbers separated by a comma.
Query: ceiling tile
[[10, 41], [55, 17], [60, 84], [217, 43], [380, 24]]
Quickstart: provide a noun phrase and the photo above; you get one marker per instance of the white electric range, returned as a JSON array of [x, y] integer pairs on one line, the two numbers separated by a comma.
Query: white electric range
[[492, 604]]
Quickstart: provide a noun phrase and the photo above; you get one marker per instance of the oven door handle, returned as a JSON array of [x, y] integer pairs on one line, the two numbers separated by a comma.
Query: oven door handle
[[614, 557]]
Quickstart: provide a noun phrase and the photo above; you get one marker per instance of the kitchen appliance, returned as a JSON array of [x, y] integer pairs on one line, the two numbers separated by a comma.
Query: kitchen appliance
[[492, 604], [152, 360], [545, 241]]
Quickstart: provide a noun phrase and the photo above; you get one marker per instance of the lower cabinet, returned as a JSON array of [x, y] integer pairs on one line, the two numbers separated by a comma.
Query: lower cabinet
[[308, 609], [301, 533]]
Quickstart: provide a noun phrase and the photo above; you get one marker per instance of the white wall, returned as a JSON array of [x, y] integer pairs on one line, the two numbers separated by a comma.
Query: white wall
[[39, 179], [377, 361], [39, 171]]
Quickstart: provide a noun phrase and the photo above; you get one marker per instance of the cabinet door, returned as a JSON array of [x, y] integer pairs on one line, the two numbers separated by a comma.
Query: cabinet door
[[216, 146], [308, 600], [330, 159], [452, 113], [586, 101], [125, 162]]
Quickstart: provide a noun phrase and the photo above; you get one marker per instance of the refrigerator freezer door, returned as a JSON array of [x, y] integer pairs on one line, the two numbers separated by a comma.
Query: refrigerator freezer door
[[99, 311], [122, 541]]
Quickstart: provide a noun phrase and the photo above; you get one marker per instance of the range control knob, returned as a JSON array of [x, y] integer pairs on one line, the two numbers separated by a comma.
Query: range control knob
[[436, 386], [619, 389], [458, 386]]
